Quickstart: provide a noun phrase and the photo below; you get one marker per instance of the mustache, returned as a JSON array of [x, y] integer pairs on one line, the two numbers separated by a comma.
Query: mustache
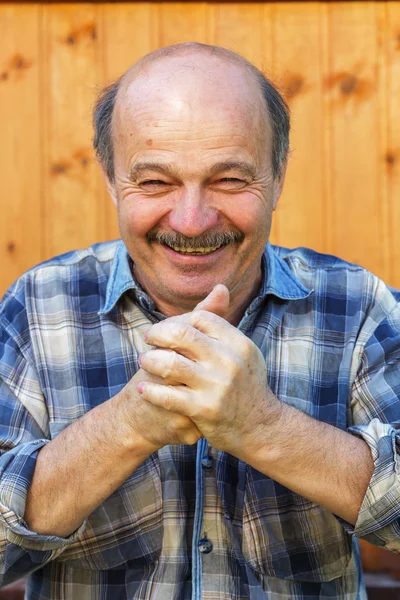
[[206, 240]]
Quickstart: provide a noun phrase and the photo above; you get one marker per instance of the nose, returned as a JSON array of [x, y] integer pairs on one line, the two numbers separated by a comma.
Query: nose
[[191, 215]]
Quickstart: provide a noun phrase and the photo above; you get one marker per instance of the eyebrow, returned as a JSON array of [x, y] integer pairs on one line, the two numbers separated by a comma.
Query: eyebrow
[[246, 169], [140, 168]]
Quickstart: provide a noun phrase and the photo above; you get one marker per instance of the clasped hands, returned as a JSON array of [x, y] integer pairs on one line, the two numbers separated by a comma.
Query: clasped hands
[[203, 378]]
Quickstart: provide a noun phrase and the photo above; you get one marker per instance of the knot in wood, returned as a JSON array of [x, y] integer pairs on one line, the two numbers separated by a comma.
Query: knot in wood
[[390, 158], [294, 86], [349, 85]]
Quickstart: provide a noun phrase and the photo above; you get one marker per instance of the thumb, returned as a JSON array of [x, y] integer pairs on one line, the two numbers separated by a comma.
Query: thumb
[[217, 301]]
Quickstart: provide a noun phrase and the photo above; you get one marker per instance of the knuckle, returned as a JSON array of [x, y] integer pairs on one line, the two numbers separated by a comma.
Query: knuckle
[[182, 423], [187, 367], [174, 362], [170, 402], [192, 437], [246, 348], [200, 315], [186, 335], [168, 365]]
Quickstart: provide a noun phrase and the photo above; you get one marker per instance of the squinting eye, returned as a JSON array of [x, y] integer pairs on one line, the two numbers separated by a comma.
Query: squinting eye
[[231, 183], [154, 182]]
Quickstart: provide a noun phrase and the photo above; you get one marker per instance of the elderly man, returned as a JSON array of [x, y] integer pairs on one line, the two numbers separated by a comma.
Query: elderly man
[[190, 413]]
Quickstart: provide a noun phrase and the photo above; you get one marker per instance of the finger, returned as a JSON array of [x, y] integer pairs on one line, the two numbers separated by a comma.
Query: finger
[[173, 368], [176, 334], [217, 301], [172, 398]]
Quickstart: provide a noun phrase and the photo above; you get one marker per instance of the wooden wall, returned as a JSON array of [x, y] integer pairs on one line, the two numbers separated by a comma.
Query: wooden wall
[[338, 63]]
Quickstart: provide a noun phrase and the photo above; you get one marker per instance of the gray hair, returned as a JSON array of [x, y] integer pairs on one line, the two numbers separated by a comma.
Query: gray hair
[[278, 110]]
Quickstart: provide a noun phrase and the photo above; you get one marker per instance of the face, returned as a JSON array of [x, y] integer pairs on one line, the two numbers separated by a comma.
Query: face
[[193, 184]]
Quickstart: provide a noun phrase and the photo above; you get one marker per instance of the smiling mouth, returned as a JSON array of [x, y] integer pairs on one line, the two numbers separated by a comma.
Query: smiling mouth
[[195, 251]]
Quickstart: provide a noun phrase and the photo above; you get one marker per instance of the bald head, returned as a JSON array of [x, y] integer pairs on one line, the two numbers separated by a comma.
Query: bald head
[[187, 81]]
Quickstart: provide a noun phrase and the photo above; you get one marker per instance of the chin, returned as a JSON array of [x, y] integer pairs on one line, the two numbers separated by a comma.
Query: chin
[[189, 295]]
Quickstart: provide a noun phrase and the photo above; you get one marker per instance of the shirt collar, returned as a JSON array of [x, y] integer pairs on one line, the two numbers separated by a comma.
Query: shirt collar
[[277, 280], [121, 279]]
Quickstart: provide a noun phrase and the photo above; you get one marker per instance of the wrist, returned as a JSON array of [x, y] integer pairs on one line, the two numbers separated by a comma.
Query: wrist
[[262, 442], [129, 433]]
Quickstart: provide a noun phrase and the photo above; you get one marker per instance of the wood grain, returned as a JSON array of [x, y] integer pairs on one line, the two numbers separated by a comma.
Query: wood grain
[[21, 206], [72, 65], [357, 226], [301, 213], [338, 63], [390, 162]]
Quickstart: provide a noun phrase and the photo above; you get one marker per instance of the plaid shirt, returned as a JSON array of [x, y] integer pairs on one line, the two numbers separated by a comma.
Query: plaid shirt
[[70, 334]]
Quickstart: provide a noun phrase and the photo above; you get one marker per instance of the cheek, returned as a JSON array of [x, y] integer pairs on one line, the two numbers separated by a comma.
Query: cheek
[[249, 215], [138, 216]]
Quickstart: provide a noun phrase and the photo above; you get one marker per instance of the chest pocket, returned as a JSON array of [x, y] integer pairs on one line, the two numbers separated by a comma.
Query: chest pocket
[[126, 527], [290, 537]]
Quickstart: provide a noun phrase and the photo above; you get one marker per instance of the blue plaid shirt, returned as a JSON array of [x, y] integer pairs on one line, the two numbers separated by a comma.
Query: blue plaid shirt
[[71, 331]]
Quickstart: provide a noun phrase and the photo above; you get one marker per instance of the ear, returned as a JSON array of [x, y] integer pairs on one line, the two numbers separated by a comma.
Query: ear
[[110, 186], [278, 186]]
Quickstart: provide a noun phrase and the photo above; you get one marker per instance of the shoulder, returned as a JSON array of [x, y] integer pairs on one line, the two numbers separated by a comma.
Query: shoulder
[[73, 274], [310, 260], [346, 286]]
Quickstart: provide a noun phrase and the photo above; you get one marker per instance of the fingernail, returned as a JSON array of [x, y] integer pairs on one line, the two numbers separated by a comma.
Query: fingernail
[[141, 388], [145, 336]]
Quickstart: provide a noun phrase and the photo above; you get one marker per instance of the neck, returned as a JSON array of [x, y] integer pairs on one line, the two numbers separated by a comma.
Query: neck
[[241, 296]]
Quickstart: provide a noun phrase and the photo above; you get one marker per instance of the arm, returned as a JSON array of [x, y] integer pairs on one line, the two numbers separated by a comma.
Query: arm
[[354, 477], [81, 467], [316, 460], [234, 408], [92, 457], [48, 488]]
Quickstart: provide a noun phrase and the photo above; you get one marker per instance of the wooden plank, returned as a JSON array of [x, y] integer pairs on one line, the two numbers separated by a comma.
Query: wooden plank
[[130, 32], [183, 1], [20, 156], [268, 68], [356, 217], [297, 39], [72, 180], [238, 26], [392, 155], [182, 22], [382, 141]]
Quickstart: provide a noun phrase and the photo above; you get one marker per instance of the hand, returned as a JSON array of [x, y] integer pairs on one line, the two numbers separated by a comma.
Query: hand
[[156, 426], [221, 376]]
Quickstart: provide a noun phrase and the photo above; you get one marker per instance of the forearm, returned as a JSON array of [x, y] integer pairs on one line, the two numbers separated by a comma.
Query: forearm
[[81, 467], [318, 461]]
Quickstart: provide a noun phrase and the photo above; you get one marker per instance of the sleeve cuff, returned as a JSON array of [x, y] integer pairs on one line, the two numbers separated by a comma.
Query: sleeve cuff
[[17, 466], [381, 504]]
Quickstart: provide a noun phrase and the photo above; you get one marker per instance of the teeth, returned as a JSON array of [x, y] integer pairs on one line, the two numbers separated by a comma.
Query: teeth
[[196, 250]]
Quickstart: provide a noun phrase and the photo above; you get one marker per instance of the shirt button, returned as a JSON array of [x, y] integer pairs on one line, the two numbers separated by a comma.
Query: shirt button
[[207, 462], [205, 546]]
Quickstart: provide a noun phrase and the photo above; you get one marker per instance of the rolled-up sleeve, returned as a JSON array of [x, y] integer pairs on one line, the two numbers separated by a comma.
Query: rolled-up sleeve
[[375, 406], [23, 432]]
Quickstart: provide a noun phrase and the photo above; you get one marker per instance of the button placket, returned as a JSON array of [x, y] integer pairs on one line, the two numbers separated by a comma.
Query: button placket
[[207, 461]]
